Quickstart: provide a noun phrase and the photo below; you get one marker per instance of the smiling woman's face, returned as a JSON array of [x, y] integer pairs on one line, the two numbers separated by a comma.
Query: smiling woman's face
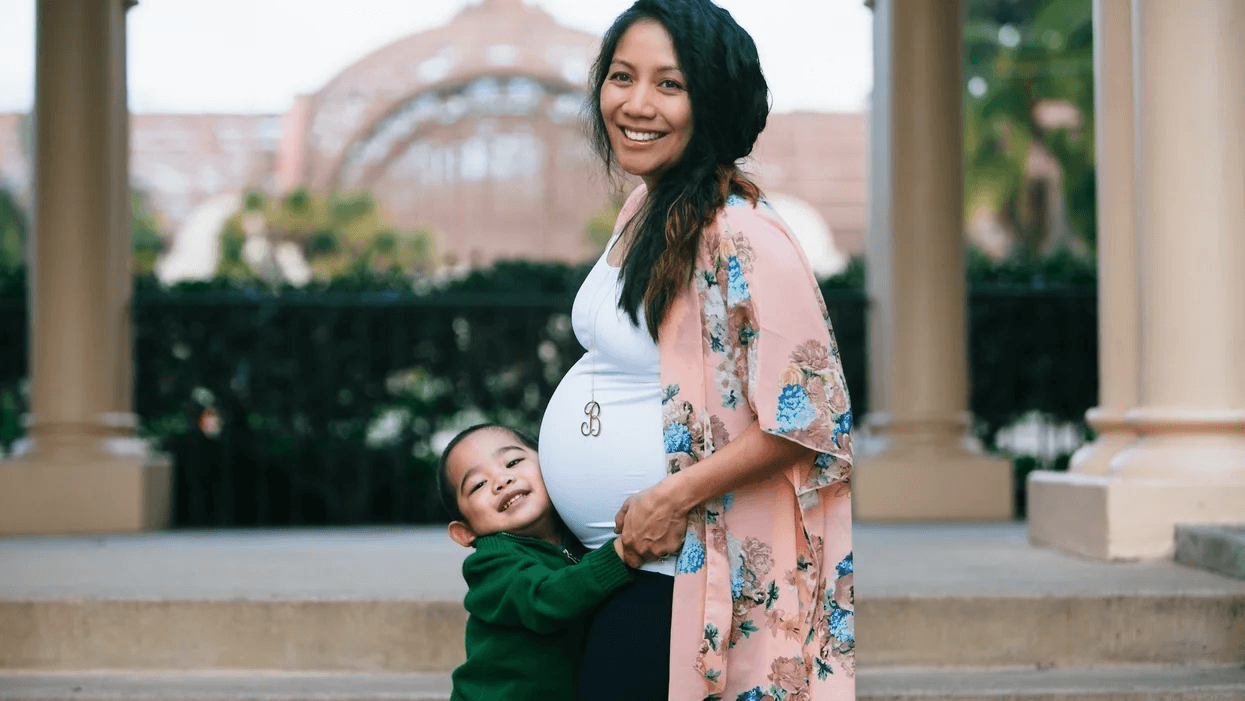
[[644, 102]]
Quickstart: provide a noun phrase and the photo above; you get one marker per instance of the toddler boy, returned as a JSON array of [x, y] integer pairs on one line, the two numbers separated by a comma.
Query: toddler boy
[[529, 594]]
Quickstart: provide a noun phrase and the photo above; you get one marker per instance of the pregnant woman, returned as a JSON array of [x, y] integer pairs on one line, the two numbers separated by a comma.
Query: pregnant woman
[[708, 421]]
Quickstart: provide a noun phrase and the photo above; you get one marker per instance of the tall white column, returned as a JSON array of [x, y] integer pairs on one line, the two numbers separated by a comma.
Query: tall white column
[[1189, 464], [925, 472], [1119, 313], [878, 238], [77, 477], [1056, 512]]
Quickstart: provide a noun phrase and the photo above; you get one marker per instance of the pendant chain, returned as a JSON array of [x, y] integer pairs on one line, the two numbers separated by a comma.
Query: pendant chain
[[592, 426]]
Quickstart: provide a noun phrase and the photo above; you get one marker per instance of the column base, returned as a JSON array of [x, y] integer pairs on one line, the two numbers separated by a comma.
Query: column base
[[102, 494], [928, 483], [1095, 458], [1113, 518], [1115, 435]]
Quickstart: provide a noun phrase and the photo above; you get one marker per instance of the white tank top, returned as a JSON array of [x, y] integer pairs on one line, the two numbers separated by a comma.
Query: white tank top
[[589, 477]]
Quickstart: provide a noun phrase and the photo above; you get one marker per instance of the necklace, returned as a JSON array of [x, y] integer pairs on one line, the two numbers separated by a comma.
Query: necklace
[[592, 426]]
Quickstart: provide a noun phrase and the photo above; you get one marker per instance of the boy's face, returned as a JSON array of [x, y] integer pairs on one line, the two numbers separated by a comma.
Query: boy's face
[[499, 488]]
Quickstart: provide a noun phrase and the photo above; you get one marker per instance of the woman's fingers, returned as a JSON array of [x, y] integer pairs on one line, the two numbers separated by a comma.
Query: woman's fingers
[[621, 516], [649, 526]]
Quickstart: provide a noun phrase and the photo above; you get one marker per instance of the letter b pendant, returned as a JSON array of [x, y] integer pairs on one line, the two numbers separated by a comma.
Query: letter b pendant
[[591, 427]]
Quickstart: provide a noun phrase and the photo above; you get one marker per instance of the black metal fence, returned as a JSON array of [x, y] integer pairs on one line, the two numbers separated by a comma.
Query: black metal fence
[[321, 408]]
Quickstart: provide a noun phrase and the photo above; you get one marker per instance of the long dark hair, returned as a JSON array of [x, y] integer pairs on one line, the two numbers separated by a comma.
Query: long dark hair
[[730, 103]]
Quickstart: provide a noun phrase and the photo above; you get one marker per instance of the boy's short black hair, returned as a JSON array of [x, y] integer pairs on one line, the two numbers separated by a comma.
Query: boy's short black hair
[[447, 491]]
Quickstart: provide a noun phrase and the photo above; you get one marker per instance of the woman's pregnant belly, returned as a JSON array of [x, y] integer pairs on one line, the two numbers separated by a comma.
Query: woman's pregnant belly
[[589, 477]]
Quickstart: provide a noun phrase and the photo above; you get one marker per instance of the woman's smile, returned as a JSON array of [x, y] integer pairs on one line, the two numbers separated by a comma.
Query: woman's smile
[[641, 136]]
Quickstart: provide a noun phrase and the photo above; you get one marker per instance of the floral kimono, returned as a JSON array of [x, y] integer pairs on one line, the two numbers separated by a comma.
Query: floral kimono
[[763, 599]]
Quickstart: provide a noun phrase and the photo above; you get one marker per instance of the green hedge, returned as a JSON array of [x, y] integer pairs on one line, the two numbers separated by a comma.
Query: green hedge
[[320, 405]]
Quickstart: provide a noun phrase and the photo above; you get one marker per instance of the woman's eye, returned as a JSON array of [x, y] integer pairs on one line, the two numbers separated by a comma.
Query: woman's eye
[[476, 488], [671, 85], [514, 462], [619, 75]]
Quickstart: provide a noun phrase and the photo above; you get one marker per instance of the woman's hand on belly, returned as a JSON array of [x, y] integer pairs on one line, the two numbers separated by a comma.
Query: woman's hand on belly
[[651, 525]]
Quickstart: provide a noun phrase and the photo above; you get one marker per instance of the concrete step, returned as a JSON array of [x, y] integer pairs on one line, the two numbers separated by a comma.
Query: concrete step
[[427, 636], [1217, 548], [1146, 683], [909, 684], [389, 600], [222, 686]]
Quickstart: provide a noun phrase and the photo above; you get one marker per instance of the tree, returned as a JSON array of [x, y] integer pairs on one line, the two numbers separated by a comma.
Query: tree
[[147, 240], [337, 234], [1024, 56], [13, 227]]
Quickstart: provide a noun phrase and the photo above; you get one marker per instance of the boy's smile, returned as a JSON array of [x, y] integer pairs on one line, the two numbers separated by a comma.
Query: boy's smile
[[499, 488]]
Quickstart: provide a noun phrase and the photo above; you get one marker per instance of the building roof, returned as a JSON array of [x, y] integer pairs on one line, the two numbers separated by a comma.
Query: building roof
[[495, 37]]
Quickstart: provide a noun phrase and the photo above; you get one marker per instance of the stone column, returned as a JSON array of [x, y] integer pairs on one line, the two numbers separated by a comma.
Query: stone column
[[877, 238], [1118, 306], [1189, 464], [1054, 509], [120, 240], [82, 471], [925, 471]]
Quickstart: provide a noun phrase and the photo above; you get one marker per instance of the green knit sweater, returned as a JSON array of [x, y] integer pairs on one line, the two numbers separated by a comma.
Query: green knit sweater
[[529, 604]]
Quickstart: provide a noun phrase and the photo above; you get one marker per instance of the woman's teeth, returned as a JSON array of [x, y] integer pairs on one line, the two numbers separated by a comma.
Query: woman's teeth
[[642, 135], [511, 501]]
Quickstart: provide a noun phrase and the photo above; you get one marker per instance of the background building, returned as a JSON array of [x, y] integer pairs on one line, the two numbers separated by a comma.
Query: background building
[[470, 132]]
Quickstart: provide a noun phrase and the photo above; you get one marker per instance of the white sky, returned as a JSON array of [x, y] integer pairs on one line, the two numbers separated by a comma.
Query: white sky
[[255, 55]]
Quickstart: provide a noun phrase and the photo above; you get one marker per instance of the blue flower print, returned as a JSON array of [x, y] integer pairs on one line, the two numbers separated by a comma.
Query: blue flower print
[[846, 566], [842, 625], [736, 286], [823, 669], [715, 344], [753, 694], [693, 556], [737, 582], [678, 439], [735, 201], [844, 424], [728, 500], [795, 410]]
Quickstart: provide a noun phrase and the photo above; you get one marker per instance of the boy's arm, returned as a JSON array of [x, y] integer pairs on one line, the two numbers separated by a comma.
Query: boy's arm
[[509, 589]]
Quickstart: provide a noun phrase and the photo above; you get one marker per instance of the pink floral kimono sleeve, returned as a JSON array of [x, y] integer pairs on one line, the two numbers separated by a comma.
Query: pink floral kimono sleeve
[[763, 604]]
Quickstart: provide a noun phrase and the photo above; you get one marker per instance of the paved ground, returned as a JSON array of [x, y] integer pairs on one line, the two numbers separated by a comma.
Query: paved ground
[[421, 563]]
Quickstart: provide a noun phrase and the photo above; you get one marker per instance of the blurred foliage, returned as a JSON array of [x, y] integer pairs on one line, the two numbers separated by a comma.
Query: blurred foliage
[[342, 234], [600, 226], [1063, 268], [147, 240], [13, 232], [851, 278], [323, 404], [1021, 54]]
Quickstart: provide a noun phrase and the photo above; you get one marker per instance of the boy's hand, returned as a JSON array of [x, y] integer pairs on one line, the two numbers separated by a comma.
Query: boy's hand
[[619, 550]]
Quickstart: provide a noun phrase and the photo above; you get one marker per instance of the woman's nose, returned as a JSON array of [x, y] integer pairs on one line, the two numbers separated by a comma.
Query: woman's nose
[[639, 103]]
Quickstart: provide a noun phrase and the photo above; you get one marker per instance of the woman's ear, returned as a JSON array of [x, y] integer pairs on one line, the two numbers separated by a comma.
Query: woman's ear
[[461, 533]]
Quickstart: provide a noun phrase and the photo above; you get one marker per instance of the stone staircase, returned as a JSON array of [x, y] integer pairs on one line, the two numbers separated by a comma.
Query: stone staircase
[[945, 613]]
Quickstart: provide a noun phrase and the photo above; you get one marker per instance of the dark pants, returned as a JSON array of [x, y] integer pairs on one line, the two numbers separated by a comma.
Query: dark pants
[[628, 653]]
